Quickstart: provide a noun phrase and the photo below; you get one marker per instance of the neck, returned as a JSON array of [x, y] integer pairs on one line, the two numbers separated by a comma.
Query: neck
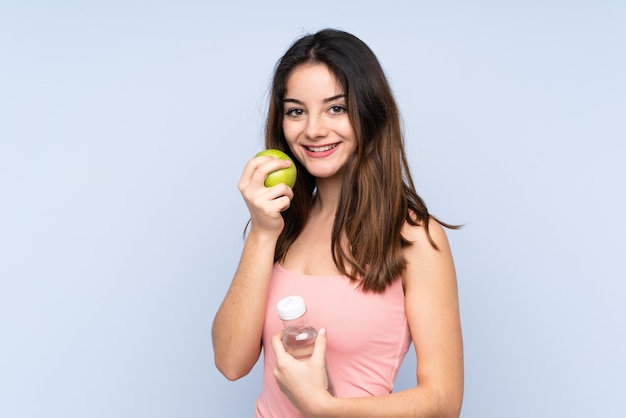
[[327, 199]]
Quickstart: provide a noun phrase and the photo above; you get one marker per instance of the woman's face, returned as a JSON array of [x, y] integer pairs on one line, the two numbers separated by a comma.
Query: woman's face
[[316, 123]]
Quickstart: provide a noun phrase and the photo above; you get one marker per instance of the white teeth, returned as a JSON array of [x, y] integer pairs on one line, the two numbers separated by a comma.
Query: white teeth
[[321, 149]]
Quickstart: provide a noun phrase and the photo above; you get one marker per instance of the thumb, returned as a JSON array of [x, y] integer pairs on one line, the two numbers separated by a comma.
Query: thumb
[[319, 351], [277, 345]]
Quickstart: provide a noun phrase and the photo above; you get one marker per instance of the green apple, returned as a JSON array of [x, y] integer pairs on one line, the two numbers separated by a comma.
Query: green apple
[[284, 175]]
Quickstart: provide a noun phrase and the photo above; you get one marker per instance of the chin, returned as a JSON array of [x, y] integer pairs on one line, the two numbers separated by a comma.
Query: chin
[[326, 175]]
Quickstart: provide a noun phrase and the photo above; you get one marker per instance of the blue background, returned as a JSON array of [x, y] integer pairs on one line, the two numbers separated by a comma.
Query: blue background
[[124, 127]]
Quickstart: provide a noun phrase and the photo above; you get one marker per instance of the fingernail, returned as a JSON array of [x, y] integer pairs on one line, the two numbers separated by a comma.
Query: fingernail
[[323, 331]]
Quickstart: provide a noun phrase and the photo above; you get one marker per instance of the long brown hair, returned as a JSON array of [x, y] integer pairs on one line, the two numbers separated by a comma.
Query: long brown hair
[[377, 194]]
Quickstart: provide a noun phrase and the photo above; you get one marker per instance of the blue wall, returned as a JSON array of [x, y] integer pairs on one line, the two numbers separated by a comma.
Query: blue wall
[[124, 127]]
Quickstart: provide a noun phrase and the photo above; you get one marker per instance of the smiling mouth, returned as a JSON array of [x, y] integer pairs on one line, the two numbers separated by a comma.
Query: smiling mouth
[[322, 148]]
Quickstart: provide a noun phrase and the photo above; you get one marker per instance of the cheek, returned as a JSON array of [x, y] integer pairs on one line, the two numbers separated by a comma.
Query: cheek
[[290, 131], [348, 131]]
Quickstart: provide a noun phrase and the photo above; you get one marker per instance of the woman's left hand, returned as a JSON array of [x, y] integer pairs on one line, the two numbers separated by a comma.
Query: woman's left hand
[[305, 382]]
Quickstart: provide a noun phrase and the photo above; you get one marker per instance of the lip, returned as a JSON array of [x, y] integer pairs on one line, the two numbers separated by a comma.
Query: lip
[[321, 154]]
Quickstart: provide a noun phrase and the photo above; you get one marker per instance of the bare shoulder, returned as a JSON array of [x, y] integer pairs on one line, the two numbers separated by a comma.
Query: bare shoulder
[[423, 258], [421, 236]]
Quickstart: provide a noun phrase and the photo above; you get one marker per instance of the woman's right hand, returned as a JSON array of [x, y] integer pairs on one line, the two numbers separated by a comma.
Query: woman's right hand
[[265, 203]]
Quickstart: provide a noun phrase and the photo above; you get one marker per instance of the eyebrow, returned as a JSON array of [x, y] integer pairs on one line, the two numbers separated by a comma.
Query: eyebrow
[[327, 100]]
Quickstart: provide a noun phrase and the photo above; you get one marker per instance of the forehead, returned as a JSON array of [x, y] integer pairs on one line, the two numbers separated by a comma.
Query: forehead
[[313, 81]]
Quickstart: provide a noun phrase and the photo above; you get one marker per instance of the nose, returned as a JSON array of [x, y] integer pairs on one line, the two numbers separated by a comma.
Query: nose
[[316, 127]]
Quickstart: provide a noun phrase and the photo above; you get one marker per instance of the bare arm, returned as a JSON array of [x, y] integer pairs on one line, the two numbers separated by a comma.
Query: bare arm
[[238, 323], [433, 315]]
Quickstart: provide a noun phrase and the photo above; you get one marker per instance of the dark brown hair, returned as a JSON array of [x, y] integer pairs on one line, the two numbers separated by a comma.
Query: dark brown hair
[[377, 195]]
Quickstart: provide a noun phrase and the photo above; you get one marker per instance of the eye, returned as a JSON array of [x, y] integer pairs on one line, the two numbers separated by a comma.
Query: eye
[[294, 112], [337, 110]]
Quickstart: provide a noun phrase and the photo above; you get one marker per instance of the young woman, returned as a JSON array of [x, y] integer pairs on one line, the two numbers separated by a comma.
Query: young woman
[[354, 239]]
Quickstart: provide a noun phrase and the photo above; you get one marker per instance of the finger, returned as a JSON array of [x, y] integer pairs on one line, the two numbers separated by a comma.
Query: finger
[[271, 201], [319, 351], [268, 167], [249, 169], [280, 189], [282, 203], [260, 167], [277, 345]]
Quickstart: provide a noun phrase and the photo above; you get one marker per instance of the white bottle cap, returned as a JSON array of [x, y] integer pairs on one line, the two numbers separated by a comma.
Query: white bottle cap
[[291, 307]]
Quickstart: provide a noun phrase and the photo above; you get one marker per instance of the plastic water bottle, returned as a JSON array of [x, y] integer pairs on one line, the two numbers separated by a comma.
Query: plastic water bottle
[[299, 336]]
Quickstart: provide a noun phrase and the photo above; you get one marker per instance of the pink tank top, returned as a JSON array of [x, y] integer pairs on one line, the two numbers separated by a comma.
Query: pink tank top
[[368, 336]]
